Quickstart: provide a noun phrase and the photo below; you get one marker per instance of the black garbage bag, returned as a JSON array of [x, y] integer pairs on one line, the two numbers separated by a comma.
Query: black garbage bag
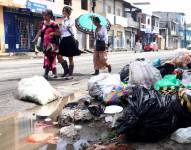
[[148, 116], [167, 68], [124, 73]]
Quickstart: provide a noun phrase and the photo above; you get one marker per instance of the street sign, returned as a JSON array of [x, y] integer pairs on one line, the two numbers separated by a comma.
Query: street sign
[[36, 7]]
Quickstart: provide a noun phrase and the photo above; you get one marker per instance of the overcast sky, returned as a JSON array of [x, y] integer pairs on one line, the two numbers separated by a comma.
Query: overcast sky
[[169, 5]]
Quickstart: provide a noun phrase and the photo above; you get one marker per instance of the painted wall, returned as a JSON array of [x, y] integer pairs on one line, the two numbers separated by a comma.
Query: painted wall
[[2, 36]]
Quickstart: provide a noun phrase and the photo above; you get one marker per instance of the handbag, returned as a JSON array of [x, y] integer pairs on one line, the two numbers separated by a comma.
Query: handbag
[[100, 45]]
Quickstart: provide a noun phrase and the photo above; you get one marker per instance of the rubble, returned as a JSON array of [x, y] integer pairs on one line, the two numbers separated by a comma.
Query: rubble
[[69, 115], [68, 131]]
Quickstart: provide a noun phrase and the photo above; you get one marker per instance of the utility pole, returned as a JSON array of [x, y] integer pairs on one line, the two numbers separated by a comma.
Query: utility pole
[[114, 11]]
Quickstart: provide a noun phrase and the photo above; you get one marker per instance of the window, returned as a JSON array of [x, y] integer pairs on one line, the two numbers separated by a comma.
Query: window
[[84, 4], [109, 9], [148, 21], [143, 19], [68, 2], [157, 24], [118, 12]]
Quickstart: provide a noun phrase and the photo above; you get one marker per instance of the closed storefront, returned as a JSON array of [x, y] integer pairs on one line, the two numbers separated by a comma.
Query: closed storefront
[[20, 28]]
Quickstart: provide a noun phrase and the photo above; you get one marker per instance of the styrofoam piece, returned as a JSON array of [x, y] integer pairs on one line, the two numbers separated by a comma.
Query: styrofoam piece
[[113, 109]]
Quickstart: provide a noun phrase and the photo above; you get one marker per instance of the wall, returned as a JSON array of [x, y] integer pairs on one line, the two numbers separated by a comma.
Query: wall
[[2, 36], [77, 11]]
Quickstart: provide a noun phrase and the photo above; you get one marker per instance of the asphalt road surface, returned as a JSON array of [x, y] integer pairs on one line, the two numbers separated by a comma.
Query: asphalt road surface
[[11, 71]]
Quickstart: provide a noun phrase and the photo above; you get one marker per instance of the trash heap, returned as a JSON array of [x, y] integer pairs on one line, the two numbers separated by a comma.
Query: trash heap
[[156, 98]]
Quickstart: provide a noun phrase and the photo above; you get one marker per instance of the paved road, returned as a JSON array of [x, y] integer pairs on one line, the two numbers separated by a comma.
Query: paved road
[[11, 71]]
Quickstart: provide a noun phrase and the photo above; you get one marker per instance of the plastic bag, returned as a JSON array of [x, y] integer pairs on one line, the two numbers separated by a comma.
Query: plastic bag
[[185, 98], [143, 73], [39, 44], [117, 92], [166, 69], [37, 89], [148, 116], [182, 135], [169, 81], [102, 84], [124, 73], [186, 79]]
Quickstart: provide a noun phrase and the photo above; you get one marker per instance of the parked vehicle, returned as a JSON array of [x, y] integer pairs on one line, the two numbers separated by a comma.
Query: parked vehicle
[[188, 47], [150, 46]]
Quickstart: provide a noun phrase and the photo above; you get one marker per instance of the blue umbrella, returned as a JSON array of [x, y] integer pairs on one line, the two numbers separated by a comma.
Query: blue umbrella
[[85, 24]]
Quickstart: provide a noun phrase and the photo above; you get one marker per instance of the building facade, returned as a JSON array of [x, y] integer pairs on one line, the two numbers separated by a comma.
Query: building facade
[[172, 28], [21, 21], [123, 19]]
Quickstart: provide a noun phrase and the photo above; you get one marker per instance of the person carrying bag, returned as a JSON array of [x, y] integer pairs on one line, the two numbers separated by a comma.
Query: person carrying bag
[[101, 42]]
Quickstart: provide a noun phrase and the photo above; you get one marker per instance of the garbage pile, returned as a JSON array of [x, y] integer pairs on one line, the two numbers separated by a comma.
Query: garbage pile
[[156, 98]]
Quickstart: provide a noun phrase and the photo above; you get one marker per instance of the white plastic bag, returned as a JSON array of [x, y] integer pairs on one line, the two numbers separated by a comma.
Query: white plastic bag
[[102, 84], [182, 135], [143, 73], [37, 89]]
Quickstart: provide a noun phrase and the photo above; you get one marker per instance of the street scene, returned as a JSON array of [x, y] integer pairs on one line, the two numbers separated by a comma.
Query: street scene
[[95, 75]]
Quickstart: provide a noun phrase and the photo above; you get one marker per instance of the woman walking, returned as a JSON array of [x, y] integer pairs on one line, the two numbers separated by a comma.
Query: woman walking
[[67, 46], [101, 41], [49, 33]]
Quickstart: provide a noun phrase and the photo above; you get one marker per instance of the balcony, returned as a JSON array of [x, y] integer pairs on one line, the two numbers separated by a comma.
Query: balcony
[[110, 17], [121, 21], [173, 33], [131, 23], [155, 30]]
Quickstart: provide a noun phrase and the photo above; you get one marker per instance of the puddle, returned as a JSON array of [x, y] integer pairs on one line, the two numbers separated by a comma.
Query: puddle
[[14, 128]]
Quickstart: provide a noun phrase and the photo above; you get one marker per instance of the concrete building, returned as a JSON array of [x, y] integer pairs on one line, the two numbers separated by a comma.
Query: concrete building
[[5, 3], [187, 35], [172, 28], [123, 21], [80, 7], [20, 21]]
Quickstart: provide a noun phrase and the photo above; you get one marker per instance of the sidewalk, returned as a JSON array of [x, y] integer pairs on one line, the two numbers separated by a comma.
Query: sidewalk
[[32, 55], [20, 55]]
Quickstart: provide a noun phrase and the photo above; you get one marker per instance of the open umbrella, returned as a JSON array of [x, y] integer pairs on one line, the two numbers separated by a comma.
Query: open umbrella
[[85, 24]]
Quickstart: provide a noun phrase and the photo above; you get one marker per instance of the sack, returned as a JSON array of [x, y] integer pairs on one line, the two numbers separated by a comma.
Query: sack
[[100, 45], [37, 89]]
